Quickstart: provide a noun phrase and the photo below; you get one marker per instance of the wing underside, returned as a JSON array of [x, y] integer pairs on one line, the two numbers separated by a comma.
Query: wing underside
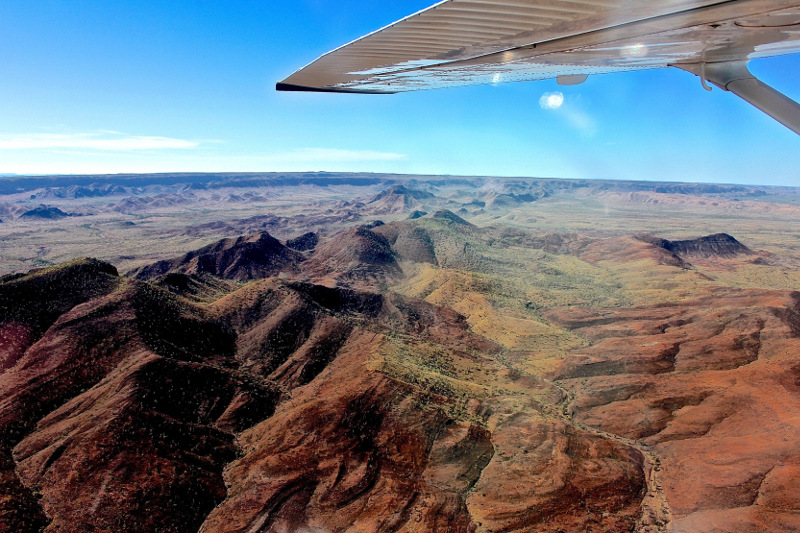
[[471, 42]]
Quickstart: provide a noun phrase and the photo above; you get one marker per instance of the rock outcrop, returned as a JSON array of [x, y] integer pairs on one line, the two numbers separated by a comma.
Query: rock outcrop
[[304, 243], [398, 199], [718, 245], [44, 212], [242, 258]]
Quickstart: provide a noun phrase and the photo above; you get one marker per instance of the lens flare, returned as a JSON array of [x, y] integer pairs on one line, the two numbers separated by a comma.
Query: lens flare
[[551, 100]]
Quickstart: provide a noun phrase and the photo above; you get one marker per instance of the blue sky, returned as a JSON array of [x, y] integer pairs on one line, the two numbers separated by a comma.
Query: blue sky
[[163, 86]]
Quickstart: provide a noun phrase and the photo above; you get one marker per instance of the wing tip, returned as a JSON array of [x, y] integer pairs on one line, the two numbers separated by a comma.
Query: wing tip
[[291, 87]]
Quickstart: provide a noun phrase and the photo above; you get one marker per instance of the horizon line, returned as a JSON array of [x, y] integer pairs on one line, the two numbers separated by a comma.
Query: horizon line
[[14, 176]]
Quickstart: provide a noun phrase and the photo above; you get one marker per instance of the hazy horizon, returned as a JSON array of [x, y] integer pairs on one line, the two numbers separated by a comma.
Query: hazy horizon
[[124, 175], [144, 87]]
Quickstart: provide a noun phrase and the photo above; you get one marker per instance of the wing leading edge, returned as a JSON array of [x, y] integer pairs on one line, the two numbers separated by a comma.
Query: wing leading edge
[[471, 42]]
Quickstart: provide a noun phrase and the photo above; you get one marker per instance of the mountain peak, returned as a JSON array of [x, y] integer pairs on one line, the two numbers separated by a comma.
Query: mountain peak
[[239, 258], [356, 254], [398, 199], [446, 214]]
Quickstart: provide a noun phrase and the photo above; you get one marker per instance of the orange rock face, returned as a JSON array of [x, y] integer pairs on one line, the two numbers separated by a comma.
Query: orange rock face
[[272, 409], [710, 386], [365, 452]]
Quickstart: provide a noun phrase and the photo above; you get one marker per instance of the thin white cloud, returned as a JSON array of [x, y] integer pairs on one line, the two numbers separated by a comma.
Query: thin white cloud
[[104, 140], [309, 155]]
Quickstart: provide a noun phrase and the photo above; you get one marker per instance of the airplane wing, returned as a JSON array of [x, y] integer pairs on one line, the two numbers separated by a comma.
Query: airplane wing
[[471, 42]]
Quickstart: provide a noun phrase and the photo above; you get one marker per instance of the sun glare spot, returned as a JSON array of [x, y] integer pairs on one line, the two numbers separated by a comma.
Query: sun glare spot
[[551, 100], [636, 50]]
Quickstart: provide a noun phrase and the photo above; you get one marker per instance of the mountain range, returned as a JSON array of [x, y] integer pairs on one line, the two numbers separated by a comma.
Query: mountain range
[[416, 375]]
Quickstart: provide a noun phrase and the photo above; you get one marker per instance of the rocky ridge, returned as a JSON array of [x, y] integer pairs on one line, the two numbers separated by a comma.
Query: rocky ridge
[[251, 257], [718, 245], [250, 387]]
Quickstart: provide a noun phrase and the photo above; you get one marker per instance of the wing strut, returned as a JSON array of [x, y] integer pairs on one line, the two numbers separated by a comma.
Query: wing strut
[[735, 77]]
